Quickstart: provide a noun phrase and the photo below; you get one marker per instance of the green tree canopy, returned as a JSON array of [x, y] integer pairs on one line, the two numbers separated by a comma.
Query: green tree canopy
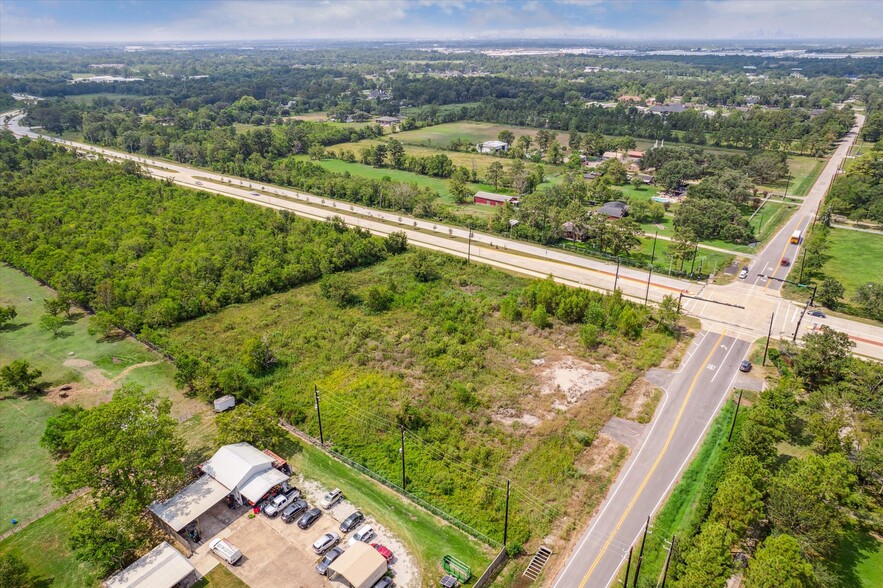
[[779, 564], [255, 424]]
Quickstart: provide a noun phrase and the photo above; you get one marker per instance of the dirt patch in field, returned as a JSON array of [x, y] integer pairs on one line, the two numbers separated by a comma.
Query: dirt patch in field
[[598, 458], [571, 378], [96, 387], [638, 400], [508, 416]]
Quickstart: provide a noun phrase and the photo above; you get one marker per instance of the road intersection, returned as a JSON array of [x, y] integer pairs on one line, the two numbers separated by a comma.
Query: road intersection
[[732, 317]]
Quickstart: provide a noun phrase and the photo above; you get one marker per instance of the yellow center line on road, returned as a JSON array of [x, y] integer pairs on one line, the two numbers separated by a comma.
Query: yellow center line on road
[[796, 255], [656, 463]]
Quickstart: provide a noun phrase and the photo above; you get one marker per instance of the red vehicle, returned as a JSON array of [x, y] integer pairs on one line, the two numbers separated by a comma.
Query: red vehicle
[[785, 261], [384, 551]]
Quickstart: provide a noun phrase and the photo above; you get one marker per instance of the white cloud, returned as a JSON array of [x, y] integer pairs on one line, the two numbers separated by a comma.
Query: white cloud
[[464, 19]]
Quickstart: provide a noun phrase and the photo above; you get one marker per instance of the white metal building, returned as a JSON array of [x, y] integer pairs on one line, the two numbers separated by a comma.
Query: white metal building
[[162, 567]]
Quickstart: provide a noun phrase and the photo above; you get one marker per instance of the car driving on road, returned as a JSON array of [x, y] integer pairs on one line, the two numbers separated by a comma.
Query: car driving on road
[[817, 313]]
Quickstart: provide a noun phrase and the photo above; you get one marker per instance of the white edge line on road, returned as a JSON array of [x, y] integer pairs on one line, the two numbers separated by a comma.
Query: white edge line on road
[[683, 465], [609, 499]]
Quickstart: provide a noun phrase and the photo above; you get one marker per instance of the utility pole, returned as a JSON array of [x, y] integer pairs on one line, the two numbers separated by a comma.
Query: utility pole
[[628, 566], [653, 253], [469, 246], [695, 253], [506, 519], [680, 296], [809, 302], [768, 335], [402, 451], [802, 263], [647, 295], [668, 560], [318, 414], [735, 414], [788, 183], [641, 554], [616, 279]]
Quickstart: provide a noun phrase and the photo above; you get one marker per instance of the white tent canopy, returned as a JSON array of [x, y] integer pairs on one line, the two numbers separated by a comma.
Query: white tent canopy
[[189, 503], [259, 484], [162, 567]]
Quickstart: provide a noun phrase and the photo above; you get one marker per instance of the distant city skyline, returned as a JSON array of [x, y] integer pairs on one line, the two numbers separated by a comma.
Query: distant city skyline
[[120, 21]]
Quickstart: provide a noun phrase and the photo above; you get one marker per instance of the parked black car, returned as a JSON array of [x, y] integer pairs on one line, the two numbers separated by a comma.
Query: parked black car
[[745, 366], [322, 568], [351, 522], [294, 510], [384, 582], [310, 517]]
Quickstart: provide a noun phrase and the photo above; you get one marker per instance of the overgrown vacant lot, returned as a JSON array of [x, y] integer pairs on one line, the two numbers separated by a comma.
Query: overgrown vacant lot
[[483, 398]]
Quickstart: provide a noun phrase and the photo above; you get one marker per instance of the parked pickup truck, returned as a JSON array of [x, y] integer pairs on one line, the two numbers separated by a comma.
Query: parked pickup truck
[[226, 551]]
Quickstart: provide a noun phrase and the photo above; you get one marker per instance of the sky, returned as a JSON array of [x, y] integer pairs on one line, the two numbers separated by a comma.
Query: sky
[[132, 21]]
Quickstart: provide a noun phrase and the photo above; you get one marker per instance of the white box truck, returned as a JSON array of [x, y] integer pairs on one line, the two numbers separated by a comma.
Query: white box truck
[[226, 551]]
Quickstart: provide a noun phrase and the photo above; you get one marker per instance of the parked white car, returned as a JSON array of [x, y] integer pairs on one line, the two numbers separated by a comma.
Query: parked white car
[[331, 499], [364, 534]]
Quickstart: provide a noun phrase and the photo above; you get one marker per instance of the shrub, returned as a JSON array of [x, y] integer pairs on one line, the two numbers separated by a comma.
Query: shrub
[[540, 318], [338, 289], [590, 335], [378, 298]]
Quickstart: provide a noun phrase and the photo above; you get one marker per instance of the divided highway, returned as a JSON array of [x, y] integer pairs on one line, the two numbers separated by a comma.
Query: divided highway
[[732, 317]]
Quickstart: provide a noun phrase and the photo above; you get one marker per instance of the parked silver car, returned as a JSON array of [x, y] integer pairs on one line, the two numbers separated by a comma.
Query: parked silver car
[[326, 542]]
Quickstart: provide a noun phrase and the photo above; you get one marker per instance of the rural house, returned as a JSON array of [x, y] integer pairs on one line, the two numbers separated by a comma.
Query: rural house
[[492, 147], [614, 210], [388, 121]]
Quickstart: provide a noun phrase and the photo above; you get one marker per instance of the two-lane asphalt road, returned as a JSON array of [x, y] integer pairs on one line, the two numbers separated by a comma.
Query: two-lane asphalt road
[[768, 261], [693, 396]]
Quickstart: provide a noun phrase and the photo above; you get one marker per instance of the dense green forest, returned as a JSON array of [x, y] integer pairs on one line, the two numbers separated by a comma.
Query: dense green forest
[[141, 253], [799, 485]]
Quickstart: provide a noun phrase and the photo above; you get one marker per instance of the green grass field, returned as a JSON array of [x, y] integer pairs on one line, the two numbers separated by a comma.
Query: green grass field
[[804, 172], [854, 258], [375, 173], [220, 577], [427, 537], [43, 546], [86, 98], [25, 468], [859, 560]]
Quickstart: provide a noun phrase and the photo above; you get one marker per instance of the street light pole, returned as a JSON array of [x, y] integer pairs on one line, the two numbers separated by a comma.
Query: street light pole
[[616, 279], [469, 246]]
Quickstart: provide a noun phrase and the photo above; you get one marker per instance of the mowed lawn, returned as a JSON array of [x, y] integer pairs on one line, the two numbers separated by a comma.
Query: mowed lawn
[[440, 185], [804, 172], [470, 160], [472, 131], [25, 467], [44, 547], [854, 258]]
